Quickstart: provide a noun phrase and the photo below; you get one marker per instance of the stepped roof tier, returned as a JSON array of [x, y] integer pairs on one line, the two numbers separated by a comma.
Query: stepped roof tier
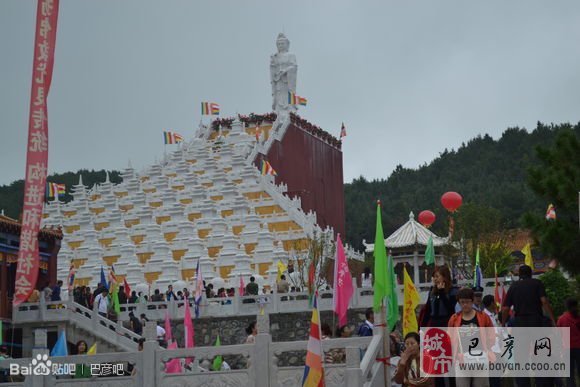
[[205, 202], [410, 234]]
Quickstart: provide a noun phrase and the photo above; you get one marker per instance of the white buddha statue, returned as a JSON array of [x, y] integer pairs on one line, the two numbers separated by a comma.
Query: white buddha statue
[[283, 69]]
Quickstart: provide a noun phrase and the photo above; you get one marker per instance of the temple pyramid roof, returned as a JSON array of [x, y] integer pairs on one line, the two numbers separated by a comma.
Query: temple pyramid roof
[[205, 201]]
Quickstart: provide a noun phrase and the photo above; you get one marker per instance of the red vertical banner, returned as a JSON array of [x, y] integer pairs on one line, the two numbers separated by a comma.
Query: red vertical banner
[[36, 150]]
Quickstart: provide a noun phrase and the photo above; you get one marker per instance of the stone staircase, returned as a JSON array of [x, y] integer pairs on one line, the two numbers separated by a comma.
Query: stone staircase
[[79, 322]]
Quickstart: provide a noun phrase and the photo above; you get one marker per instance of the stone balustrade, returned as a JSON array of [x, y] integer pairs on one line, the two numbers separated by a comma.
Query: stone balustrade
[[262, 363], [294, 302]]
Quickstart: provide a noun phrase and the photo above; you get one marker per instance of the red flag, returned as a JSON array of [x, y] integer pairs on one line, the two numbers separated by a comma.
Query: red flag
[[127, 288], [342, 283], [311, 277], [342, 131], [36, 150], [242, 285]]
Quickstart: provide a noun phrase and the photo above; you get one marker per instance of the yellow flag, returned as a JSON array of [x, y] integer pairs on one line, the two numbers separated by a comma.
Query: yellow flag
[[527, 251], [281, 269], [92, 350], [411, 300]]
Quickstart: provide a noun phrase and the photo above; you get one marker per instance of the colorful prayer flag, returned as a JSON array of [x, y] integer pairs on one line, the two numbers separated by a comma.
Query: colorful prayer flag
[[198, 289], [527, 251], [172, 137], [173, 366], [54, 190], [210, 108], [551, 212], [218, 360], [430, 252], [313, 371], [342, 283], [242, 286], [60, 348], [380, 253], [294, 99], [342, 131], [127, 288], [393, 302], [498, 301], [168, 335], [188, 331], [267, 169], [281, 269], [411, 300], [92, 350], [104, 279], [477, 274]]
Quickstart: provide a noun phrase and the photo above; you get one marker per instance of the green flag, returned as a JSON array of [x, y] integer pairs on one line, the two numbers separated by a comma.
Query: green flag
[[430, 252], [393, 305], [380, 286], [217, 362], [475, 274], [116, 304]]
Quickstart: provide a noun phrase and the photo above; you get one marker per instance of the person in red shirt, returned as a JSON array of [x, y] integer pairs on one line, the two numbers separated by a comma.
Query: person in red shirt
[[571, 319]]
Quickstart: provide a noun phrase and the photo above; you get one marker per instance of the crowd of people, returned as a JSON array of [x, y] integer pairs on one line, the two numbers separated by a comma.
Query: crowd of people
[[526, 305]]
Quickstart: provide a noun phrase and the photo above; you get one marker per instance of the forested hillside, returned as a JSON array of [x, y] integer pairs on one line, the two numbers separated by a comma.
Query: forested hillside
[[11, 195], [486, 172]]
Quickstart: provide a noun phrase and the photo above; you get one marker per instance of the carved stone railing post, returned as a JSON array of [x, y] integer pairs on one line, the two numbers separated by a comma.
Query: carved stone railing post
[[42, 307], [94, 317], [261, 359], [276, 299], [38, 349], [237, 300], [354, 376], [149, 366]]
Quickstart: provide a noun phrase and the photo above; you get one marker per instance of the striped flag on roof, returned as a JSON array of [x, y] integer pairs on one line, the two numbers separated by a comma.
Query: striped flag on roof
[[294, 99], [210, 108], [267, 169], [313, 370], [172, 137], [54, 190]]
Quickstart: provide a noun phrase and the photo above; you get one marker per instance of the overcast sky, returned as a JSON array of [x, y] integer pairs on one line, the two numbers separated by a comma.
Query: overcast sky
[[408, 78]]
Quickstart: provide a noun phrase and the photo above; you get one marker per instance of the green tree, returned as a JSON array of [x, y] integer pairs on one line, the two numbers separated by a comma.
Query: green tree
[[557, 180], [558, 289]]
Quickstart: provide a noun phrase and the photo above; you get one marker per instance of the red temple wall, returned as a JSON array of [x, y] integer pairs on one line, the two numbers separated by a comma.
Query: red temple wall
[[312, 170]]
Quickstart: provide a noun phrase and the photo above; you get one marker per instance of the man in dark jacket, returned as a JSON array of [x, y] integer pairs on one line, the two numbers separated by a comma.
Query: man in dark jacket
[[122, 295]]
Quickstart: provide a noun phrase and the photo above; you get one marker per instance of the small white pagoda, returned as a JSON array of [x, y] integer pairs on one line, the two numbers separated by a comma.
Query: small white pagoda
[[407, 247]]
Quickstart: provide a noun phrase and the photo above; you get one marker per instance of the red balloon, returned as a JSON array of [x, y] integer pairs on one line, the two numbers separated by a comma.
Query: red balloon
[[451, 201], [426, 218]]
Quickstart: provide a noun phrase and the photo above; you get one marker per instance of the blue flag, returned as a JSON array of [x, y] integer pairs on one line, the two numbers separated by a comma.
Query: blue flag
[[60, 348], [104, 279]]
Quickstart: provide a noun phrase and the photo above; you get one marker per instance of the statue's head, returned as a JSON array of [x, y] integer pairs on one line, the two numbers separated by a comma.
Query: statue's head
[[282, 43]]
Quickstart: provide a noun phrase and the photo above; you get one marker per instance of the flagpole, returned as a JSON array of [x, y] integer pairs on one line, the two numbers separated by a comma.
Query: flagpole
[[386, 348]]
